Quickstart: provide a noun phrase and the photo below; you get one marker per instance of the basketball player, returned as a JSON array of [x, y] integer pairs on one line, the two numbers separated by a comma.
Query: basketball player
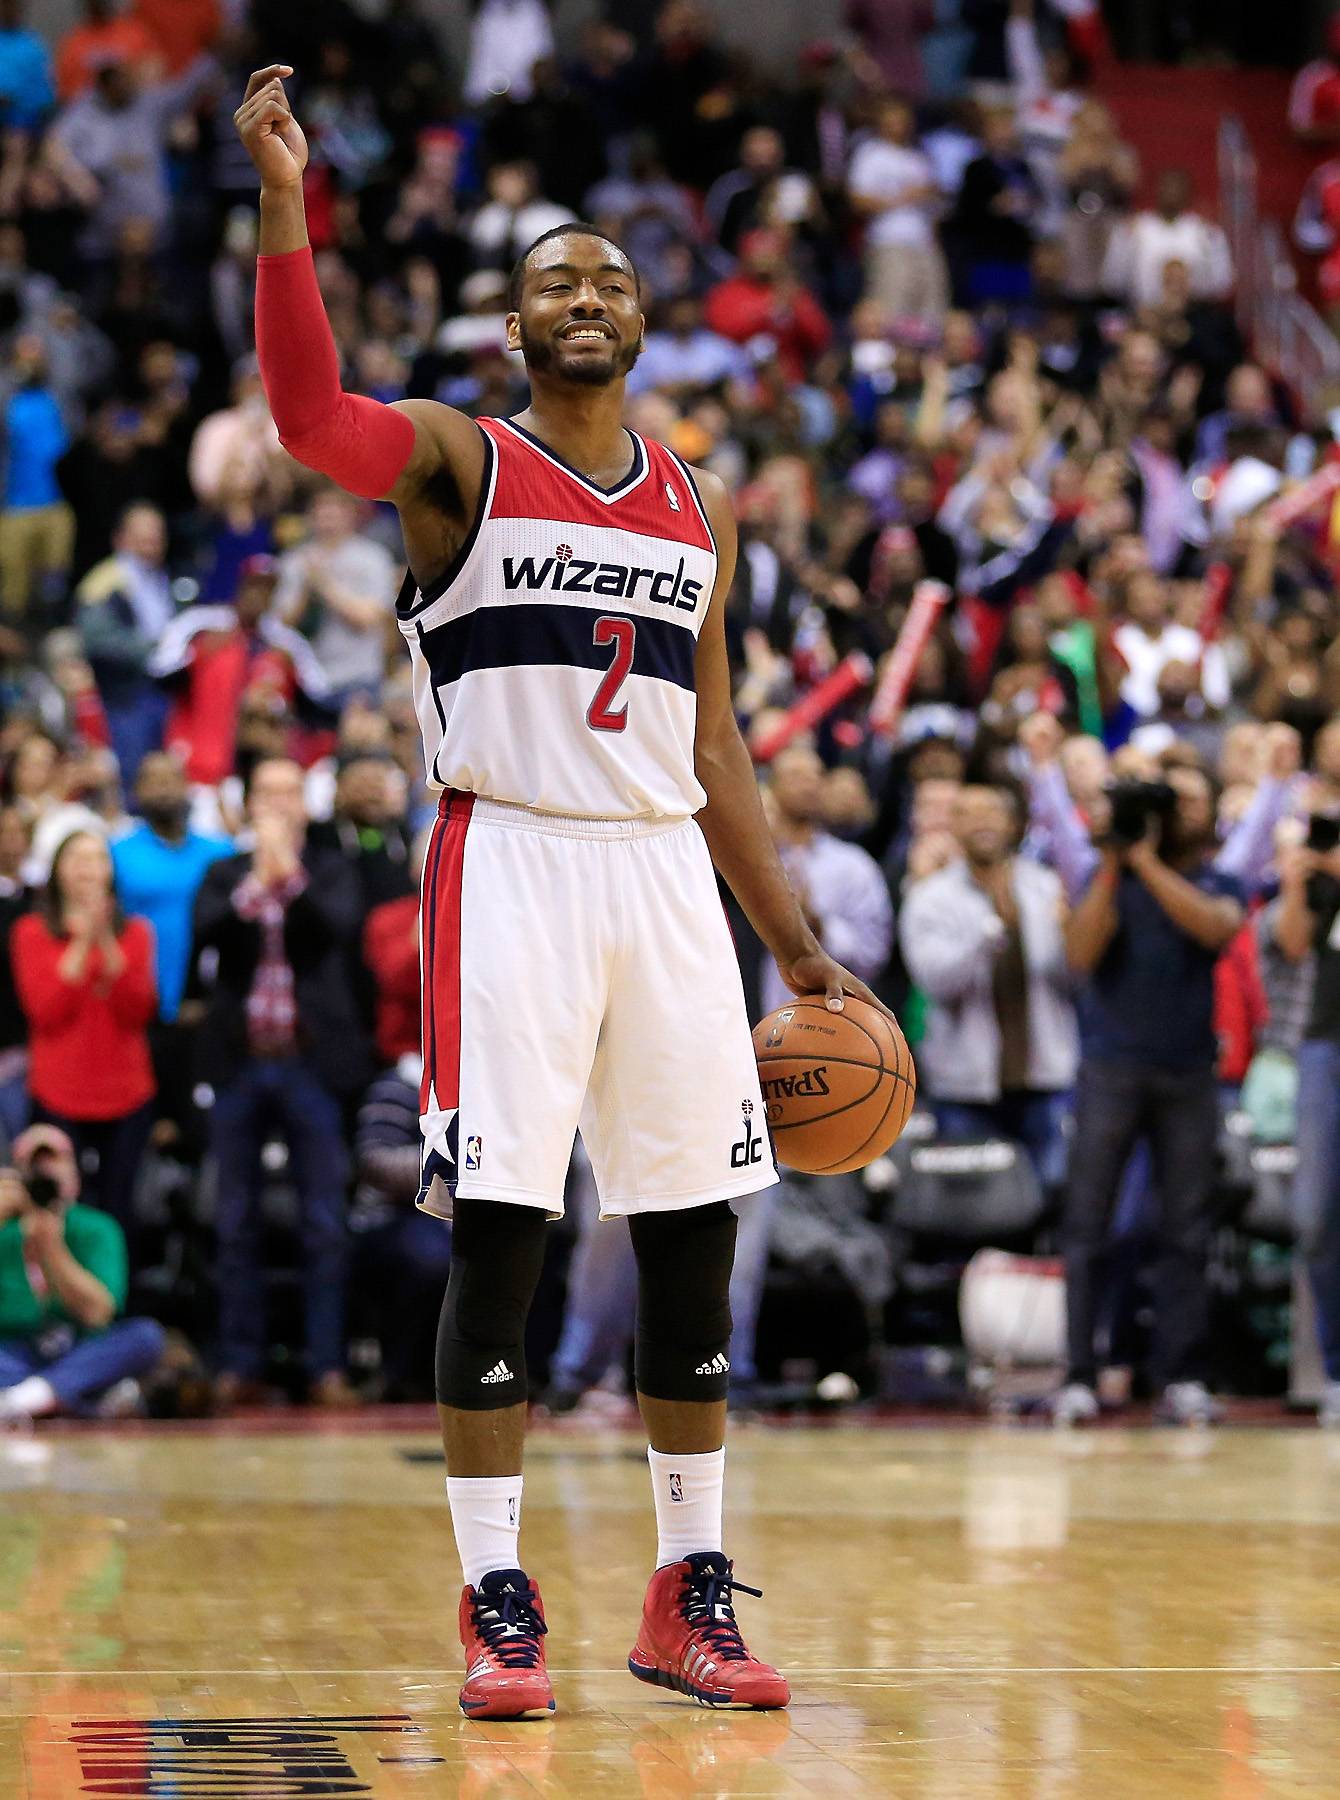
[[564, 616]]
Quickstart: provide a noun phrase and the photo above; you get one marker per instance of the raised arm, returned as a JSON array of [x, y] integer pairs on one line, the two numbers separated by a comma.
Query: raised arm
[[426, 458], [732, 821]]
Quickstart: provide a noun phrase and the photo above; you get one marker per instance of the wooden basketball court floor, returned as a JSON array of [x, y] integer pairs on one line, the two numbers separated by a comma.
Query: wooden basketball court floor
[[965, 1613]]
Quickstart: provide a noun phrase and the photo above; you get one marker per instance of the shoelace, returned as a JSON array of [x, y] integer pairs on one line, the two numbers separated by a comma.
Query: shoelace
[[708, 1607], [511, 1628]]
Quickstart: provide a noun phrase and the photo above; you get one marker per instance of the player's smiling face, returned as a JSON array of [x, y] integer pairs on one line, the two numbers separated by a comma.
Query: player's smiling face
[[580, 317]]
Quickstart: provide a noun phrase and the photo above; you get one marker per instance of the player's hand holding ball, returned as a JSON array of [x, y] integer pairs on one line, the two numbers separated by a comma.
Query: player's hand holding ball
[[837, 1075]]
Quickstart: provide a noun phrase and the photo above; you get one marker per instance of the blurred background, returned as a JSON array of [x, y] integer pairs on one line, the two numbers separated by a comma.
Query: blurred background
[[1009, 325]]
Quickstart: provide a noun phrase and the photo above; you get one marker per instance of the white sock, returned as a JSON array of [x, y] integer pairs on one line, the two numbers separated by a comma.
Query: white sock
[[687, 1491], [28, 1398], [486, 1517]]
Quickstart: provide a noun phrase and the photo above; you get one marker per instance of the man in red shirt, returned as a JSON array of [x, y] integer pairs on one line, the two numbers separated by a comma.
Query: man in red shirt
[[217, 654], [391, 952], [766, 299], [1314, 98]]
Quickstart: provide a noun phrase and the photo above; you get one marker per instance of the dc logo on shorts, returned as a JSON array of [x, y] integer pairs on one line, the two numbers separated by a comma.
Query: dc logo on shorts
[[676, 1487], [474, 1152], [778, 1031], [749, 1148]]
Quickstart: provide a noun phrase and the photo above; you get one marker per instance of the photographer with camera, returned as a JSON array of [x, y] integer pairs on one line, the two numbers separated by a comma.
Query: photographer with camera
[[1147, 934], [1308, 921], [63, 1278]]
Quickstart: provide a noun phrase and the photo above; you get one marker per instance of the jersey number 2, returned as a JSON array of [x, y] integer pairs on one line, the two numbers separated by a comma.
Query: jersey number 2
[[600, 714]]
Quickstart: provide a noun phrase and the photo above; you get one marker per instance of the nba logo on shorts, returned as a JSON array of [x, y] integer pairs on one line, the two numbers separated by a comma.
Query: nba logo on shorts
[[474, 1152], [676, 1487], [778, 1031]]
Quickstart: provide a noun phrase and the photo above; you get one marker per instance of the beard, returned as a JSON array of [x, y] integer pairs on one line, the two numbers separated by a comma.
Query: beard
[[543, 356], [166, 815]]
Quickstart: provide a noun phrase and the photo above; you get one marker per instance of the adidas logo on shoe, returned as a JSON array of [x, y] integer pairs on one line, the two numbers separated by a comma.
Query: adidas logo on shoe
[[719, 1365], [499, 1372]]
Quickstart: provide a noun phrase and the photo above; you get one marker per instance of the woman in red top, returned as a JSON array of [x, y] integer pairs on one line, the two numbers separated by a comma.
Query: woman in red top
[[85, 977]]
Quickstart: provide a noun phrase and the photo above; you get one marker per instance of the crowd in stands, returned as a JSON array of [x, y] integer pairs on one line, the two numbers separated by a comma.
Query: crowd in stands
[[969, 340]]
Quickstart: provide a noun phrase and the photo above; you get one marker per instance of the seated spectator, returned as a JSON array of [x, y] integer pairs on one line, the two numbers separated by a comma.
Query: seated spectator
[[401, 1256], [216, 657], [64, 1277], [1307, 926], [104, 35], [239, 444], [338, 589], [767, 300], [762, 191], [1314, 98], [367, 825], [36, 526], [159, 867], [85, 979], [989, 235], [1172, 231], [16, 899], [182, 29], [889, 33], [513, 215], [1149, 639], [125, 605], [26, 86], [840, 886], [892, 186], [114, 139], [391, 952], [681, 354], [281, 1047], [983, 939]]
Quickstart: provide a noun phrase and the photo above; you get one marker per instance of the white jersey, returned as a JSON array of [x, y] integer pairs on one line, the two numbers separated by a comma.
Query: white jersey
[[554, 663]]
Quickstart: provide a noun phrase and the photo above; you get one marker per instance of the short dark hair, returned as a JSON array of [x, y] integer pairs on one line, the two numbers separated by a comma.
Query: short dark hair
[[577, 228]]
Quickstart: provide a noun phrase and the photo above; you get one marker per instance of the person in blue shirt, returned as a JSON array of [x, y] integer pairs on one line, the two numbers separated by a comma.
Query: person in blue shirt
[[1146, 935], [36, 526], [27, 91], [159, 867]]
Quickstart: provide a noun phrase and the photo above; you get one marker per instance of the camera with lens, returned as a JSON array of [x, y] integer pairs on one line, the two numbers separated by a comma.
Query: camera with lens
[[1323, 836], [1137, 807], [40, 1179]]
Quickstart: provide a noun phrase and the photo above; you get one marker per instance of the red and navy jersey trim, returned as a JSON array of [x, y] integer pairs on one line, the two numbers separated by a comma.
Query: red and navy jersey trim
[[508, 637], [634, 478]]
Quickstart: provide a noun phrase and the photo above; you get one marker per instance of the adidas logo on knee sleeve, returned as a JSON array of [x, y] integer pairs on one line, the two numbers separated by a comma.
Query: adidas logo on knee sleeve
[[499, 1372], [719, 1365]]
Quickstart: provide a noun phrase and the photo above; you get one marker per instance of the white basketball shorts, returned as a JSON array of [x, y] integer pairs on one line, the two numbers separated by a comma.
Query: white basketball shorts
[[580, 974]]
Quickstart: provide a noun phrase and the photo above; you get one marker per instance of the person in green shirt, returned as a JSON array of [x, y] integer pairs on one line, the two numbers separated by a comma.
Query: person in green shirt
[[63, 1281]]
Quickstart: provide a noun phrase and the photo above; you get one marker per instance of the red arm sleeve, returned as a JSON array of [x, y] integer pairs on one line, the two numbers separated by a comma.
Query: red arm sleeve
[[357, 442], [47, 1001]]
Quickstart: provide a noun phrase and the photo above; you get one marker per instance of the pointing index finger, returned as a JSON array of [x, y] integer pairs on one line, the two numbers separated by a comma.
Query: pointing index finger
[[262, 77]]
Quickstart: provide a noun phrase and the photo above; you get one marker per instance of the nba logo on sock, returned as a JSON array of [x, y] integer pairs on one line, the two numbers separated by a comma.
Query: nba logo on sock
[[474, 1152], [511, 1509], [676, 1487]]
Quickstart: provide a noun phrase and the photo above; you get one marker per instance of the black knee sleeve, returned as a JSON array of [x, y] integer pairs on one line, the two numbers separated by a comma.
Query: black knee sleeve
[[497, 1252], [684, 1262]]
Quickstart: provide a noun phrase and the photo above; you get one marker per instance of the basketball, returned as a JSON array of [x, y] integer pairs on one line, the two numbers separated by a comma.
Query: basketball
[[837, 1086]]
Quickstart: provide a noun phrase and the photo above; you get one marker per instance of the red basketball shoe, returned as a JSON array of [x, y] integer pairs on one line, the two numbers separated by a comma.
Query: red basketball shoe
[[690, 1642], [502, 1630]]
